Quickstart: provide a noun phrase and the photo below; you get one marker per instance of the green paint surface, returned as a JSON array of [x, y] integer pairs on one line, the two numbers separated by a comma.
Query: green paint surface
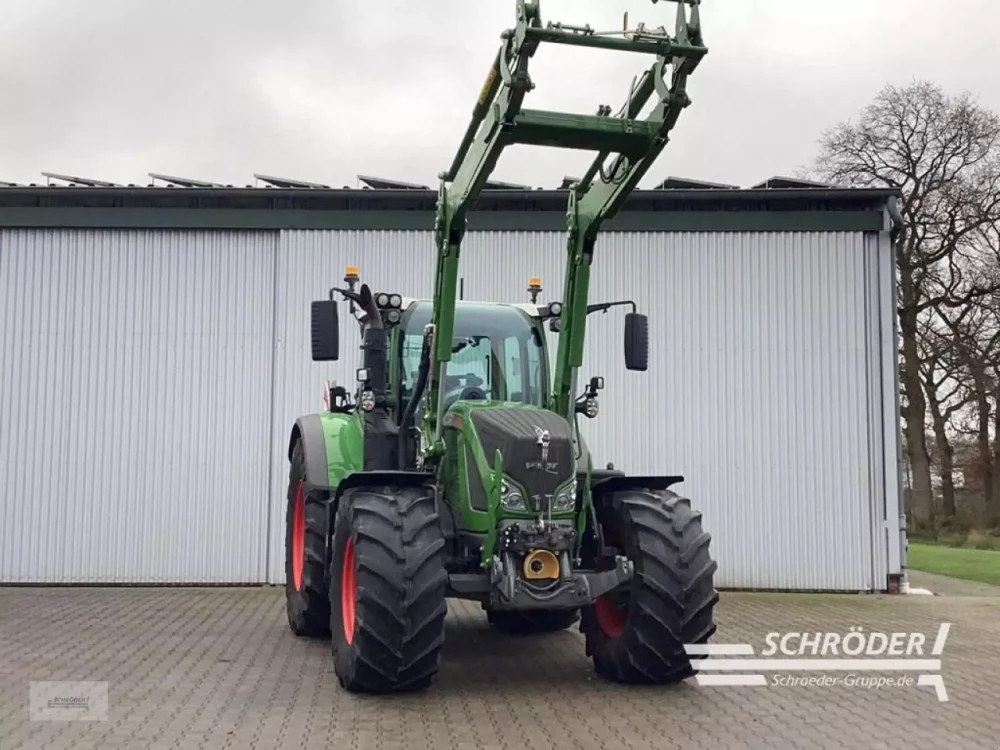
[[345, 445]]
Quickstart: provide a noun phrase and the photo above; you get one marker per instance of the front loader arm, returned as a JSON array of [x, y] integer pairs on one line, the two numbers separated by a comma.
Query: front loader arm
[[602, 192], [498, 121], [488, 134]]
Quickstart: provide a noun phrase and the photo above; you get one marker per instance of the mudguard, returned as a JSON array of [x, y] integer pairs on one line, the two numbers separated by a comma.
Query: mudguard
[[309, 430], [606, 485], [382, 478]]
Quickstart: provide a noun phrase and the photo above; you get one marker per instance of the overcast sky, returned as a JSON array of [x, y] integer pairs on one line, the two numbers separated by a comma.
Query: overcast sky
[[323, 90]]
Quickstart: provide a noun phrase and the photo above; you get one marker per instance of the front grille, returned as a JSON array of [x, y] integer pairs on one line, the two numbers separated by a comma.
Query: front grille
[[512, 431]]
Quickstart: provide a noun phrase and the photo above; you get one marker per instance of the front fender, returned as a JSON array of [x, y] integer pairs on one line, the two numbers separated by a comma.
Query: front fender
[[608, 485], [309, 432], [383, 478], [333, 445]]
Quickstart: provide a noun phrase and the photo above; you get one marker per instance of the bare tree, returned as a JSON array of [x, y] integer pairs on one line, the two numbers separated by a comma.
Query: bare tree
[[974, 346], [946, 396], [973, 353], [942, 153]]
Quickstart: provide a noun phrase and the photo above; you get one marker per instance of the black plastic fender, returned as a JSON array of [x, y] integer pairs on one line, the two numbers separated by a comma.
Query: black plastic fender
[[602, 488], [373, 478], [606, 485], [382, 478], [309, 430]]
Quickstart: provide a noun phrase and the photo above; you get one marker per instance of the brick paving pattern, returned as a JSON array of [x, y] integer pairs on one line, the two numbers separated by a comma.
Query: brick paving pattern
[[218, 668]]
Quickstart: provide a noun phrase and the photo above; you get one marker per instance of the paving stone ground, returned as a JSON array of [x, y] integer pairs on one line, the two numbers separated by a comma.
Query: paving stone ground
[[218, 668]]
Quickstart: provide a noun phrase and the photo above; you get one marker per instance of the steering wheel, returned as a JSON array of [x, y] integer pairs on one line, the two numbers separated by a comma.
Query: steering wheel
[[469, 380]]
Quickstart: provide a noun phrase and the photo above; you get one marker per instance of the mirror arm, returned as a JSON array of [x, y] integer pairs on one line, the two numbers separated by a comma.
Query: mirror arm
[[596, 307], [605, 306]]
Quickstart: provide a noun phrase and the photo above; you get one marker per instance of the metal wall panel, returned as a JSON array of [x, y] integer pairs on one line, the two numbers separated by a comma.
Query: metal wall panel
[[891, 427], [135, 391], [764, 374]]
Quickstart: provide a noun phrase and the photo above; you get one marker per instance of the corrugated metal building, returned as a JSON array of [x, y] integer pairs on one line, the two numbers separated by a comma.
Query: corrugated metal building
[[154, 354]]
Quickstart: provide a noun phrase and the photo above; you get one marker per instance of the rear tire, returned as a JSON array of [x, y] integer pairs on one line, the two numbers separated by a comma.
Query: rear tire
[[387, 589], [306, 599], [529, 622], [640, 638]]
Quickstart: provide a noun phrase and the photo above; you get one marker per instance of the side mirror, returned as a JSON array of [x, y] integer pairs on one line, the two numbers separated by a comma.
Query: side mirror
[[636, 342], [325, 331]]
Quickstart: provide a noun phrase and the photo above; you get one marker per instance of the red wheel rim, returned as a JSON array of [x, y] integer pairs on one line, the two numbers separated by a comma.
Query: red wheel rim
[[298, 536], [348, 591], [611, 618]]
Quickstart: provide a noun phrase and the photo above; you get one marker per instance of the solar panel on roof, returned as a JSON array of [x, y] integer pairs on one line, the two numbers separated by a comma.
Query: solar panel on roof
[[497, 185], [183, 181], [378, 183], [684, 183], [77, 180], [284, 182], [788, 183]]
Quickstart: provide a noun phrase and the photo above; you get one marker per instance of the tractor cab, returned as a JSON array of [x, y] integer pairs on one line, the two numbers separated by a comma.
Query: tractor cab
[[498, 354]]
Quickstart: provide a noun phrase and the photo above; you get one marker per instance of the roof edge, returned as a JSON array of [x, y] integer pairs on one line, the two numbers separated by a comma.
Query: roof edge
[[514, 200]]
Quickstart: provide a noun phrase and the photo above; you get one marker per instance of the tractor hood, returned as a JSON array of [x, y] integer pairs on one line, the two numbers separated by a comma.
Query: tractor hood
[[536, 445]]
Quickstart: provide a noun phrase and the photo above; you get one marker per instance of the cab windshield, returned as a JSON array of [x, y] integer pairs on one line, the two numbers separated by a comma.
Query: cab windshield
[[494, 348]]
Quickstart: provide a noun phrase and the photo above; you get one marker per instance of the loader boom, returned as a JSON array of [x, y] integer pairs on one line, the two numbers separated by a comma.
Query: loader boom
[[499, 120]]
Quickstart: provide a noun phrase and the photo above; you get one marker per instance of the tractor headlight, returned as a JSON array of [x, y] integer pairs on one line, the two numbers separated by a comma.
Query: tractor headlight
[[511, 498], [566, 499]]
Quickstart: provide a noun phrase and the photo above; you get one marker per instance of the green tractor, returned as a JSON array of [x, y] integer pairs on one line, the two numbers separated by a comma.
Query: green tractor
[[457, 468]]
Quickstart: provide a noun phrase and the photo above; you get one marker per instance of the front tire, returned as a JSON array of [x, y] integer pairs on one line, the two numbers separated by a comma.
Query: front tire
[[387, 588], [637, 634], [306, 597]]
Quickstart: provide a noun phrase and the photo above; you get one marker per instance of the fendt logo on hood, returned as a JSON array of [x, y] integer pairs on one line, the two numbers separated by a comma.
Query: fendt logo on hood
[[544, 438]]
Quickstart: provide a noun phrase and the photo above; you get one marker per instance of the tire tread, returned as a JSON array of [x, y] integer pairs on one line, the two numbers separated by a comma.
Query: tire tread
[[401, 587], [308, 610], [673, 598]]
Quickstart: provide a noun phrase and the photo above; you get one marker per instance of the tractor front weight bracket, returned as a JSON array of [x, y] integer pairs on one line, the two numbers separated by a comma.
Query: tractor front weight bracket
[[511, 585], [509, 591]]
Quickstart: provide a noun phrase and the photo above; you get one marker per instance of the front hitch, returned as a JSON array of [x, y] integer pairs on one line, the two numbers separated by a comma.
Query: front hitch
[[510, 590]]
